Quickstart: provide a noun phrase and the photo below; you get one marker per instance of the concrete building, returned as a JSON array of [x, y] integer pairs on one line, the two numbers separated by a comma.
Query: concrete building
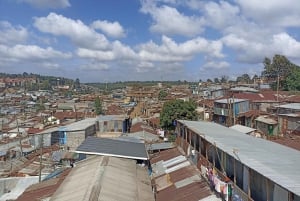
[[259, 169], [74, 134]]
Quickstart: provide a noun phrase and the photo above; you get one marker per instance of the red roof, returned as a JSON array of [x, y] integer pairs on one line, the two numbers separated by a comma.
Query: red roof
[[268, 96], [194, 191], [44, 189], [292, 141], [114, 110], [68, 115], [140, 126], [34, 130]]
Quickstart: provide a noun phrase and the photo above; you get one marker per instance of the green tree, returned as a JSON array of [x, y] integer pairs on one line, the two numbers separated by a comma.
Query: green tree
[[245, 78], [224, 79], [162, 94], [209, 80], [98, 106], [216, 80], [77, 83], [25, 74], [278, 66], [177, 109], [293, 80], [45, 85], [277, 70]]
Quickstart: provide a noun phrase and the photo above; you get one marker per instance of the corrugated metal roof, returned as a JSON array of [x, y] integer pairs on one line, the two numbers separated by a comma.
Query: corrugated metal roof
[[242, 129], [230, 100], [278, 163], [176, 179], [110, 117], [44, 189], [160, 146], [106, 178], [244, 89], [143, 135], [266, 120], [294, 106], [80, 125], [290, 114], [113, 147]]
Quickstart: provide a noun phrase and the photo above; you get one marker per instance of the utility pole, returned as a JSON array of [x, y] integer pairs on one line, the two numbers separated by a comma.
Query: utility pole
[[233, 110], [277, 111], [41, 156]]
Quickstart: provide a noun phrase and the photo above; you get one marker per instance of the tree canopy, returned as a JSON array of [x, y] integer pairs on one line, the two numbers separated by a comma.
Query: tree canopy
[[293, 80], [282, 70], [177, 109], [162, 94], [245, 78], [98, 106]]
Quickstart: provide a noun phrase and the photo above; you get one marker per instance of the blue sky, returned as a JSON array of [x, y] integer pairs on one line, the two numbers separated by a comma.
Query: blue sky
[[109, 40]]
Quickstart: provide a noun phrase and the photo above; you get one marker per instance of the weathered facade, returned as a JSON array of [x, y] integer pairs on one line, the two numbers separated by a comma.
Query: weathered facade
[[250, 163]]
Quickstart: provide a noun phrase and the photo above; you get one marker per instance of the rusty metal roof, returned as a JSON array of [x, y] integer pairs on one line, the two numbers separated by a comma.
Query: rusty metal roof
[[179, 179], [44, 189]]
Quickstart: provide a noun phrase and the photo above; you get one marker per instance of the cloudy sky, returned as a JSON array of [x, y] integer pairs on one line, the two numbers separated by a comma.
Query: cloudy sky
[[110, 40]]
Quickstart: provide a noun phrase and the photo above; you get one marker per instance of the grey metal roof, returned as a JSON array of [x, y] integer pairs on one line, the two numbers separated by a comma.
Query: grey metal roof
[[130, 139], [244, 89], [110, 117], [106, 178], [113, 147], [143, 135], [290, 115], [266, 120], [80, 125], [160, 146], [231, 100], [274, 161], [294, 106], [242, 129]]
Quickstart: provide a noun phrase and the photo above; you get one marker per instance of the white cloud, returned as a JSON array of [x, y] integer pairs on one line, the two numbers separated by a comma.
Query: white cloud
[[118, 51], [112, 29], [248, 27], [48, 3], [77, 31], [169, 21], [12, 35], [272, 12], [95, 66], [144, 66], [194, 4], [51, 66], [216, 65], [96, 54], [247, 51], [254, 51], [221, 15], [286, 45], [170, 51], [30, 53]]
